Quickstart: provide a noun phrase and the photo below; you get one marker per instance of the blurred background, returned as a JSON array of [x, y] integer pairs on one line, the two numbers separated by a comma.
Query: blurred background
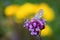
[[14, 12]]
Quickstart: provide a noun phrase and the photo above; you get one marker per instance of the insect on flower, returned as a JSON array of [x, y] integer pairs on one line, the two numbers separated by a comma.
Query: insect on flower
[[36, 24]]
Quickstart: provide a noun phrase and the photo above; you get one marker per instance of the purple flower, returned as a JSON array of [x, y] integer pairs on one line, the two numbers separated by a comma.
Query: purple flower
[[35, 25], [33, 33]]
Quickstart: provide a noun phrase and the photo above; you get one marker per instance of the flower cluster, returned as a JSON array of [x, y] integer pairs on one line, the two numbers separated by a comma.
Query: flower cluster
[[35, 25]]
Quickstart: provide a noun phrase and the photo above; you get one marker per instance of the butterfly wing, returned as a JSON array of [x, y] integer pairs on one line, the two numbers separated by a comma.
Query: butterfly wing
[[39, 14]]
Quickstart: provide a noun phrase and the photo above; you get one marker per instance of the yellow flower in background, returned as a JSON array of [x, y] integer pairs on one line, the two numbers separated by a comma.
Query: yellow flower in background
[[48, 12], [25, 10], [10, 10], [47, 31]]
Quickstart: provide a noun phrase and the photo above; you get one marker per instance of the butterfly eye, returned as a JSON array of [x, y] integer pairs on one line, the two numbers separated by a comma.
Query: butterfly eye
[[39, 14]]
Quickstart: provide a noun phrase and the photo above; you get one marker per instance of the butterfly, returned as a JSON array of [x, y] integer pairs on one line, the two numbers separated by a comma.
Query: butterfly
[[39, 14]]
